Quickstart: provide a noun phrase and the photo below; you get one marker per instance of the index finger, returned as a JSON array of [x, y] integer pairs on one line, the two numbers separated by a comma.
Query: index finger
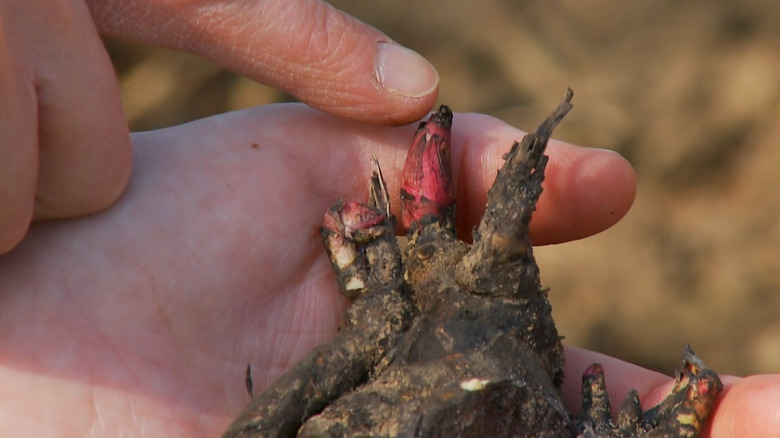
[[322, 56]]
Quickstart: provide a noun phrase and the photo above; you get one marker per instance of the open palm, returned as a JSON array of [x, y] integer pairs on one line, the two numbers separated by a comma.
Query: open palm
[[141, 320]]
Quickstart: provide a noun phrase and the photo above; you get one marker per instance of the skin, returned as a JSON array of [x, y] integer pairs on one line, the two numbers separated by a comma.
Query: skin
[[139, 320], [64, 142]]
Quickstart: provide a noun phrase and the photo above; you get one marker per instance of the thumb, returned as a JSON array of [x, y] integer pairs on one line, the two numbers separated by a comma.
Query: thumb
[[313, 51]]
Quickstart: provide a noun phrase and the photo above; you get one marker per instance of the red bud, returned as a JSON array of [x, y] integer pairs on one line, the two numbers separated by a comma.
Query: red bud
[[427, 178], [354, 221]]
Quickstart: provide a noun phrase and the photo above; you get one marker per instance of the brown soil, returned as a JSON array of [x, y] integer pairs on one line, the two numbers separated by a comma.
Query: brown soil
[[687, 91]]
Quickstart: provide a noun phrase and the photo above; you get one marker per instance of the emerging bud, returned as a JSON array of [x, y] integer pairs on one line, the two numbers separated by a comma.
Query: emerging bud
[[345, 227], [427, 177]]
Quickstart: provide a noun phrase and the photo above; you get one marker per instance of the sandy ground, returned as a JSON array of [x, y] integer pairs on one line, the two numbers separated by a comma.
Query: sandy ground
[[687, 91]]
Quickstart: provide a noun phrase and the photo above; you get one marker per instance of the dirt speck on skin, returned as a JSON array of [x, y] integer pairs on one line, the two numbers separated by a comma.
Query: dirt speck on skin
[[688, 92]]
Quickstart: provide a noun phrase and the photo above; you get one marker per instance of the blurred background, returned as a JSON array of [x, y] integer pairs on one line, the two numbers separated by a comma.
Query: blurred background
[[688, 92]]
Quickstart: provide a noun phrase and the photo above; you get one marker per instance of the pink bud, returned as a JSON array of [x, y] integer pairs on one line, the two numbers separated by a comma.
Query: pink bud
[[427, 177]]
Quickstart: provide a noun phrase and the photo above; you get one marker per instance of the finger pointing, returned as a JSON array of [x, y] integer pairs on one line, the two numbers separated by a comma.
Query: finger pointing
[[317, 53]]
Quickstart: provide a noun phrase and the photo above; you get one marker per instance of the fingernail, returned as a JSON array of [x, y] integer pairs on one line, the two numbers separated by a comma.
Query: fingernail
[[404, 71]]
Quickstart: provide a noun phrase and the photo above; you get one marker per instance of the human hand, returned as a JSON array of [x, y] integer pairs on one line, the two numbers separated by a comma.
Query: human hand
[[64, 144], [141, 319]]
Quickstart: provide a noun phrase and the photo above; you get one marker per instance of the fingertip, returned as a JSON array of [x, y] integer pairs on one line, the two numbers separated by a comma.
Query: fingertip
[[403, 71], [84, 148], [366, 77], [18, 152], [317, 53], [407, 82], [100, 181], [586, 191], [13, 228], [747, 407], [384, 108]]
